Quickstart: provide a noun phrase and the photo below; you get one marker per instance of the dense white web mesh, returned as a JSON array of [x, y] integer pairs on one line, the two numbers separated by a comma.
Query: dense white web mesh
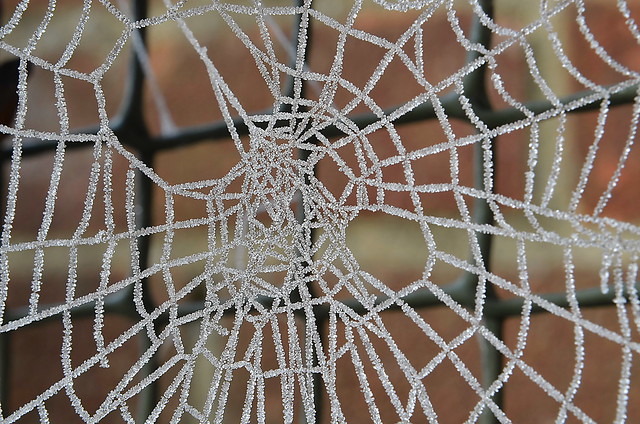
[[269, 310]]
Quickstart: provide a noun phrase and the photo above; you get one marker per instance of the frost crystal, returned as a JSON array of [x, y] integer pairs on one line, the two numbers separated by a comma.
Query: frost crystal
[[256, 304]]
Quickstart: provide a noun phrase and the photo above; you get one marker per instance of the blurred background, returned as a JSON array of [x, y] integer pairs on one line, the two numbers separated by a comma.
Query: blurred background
[[390, 248]]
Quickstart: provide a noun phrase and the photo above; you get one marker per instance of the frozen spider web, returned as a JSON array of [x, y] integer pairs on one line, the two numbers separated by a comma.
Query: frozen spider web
[[282, 322]]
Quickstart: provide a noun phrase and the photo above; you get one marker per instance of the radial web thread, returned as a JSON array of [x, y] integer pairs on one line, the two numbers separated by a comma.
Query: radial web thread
[[487, 150]]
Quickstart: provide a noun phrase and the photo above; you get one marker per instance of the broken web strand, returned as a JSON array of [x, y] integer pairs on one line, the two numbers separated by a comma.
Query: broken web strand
[[556, 45], [633, 127], [167, 125], [625, 330]]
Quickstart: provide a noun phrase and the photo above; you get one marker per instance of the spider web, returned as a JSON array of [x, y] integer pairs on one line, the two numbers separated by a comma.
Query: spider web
[[278, 276]]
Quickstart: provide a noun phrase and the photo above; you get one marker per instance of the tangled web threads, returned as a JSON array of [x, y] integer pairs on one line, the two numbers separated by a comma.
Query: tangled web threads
[[381, 195]]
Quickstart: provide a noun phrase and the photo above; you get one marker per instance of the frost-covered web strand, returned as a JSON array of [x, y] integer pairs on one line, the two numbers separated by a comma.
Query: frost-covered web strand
[[277, 233], [167, 125]]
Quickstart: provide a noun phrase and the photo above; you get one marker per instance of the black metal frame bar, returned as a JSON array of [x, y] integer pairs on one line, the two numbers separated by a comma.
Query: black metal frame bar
[[132, 131]]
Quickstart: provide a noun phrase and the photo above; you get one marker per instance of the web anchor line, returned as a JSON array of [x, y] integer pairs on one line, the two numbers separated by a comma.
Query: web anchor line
[[265, 312]]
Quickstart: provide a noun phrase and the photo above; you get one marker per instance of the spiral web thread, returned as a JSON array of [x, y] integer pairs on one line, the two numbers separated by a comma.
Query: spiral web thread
[[305, 236]]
